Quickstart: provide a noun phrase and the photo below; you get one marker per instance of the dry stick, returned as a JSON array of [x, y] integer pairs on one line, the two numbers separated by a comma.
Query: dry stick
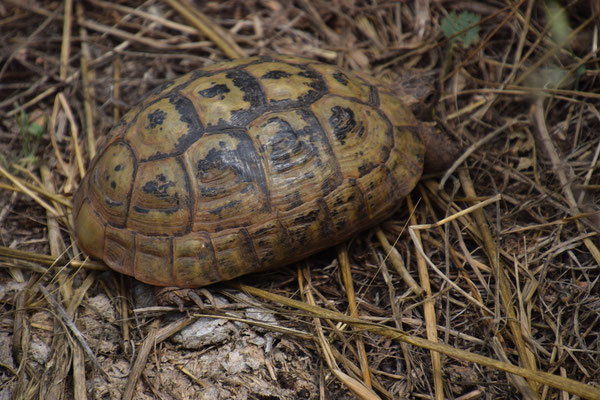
[[21, 345], [23, 188], [78, 362], [74, 330], [116, 88], [140, 361], [550, 53], [65, 49], [394, 256], [557, 166], [151, 17], [125, 335], [556, 381], [342, 254], [74, 132], [88, 89], [14, 254], [498, 270], [57, 246], [357, 387], [212, 31], [429, 311]]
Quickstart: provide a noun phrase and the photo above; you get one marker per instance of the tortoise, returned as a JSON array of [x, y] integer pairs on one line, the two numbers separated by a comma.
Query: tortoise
[[246, 165]]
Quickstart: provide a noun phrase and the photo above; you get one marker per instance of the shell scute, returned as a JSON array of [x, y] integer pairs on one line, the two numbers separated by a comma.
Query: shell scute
[[119, 249], [228, 182], [227, 99], [296, 155], [111, 182], [359, 135], [287, 85], [153, 258], [164, 128], [161, 199]]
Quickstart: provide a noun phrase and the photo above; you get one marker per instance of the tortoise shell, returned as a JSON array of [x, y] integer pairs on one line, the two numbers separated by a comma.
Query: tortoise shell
[[246, 165]]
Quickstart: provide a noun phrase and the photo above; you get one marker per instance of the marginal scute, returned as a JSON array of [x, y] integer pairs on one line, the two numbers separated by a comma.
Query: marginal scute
[[380, 191], [194, 261], [89, 229], [347, 206], [235, 254], [153, 258], [309, 226], [271, 243], [246, 165], [119, 249]]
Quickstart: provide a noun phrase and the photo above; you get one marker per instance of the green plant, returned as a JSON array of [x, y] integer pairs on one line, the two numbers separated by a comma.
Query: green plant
[[31, 133], [462, 28]]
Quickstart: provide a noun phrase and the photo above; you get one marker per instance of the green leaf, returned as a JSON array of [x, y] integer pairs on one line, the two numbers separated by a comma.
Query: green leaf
[[452, 24], [35, 130]]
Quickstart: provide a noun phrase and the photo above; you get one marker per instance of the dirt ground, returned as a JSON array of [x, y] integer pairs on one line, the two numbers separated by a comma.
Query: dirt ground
[[490, 291]]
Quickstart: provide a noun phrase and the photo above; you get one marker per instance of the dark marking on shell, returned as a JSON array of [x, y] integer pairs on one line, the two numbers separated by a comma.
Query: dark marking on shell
[[158, 187], [187, 114], [230, 204], [342, 121], [374, 96], [216, 90], [286, 147], [341, 78], [253, 94], [276, 74], [156, 118]]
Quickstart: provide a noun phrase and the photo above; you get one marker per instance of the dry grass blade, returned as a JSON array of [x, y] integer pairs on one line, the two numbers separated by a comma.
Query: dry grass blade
[[17, 182], [429, 310], [138, 366], [555, 381], [66, 319], [13, 254], [215, 33], [393, 255], [349, 286], [360, 389], [526, 357]]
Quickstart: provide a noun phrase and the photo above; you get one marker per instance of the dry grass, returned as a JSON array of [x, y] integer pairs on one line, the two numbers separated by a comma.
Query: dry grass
[[491, 288]]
